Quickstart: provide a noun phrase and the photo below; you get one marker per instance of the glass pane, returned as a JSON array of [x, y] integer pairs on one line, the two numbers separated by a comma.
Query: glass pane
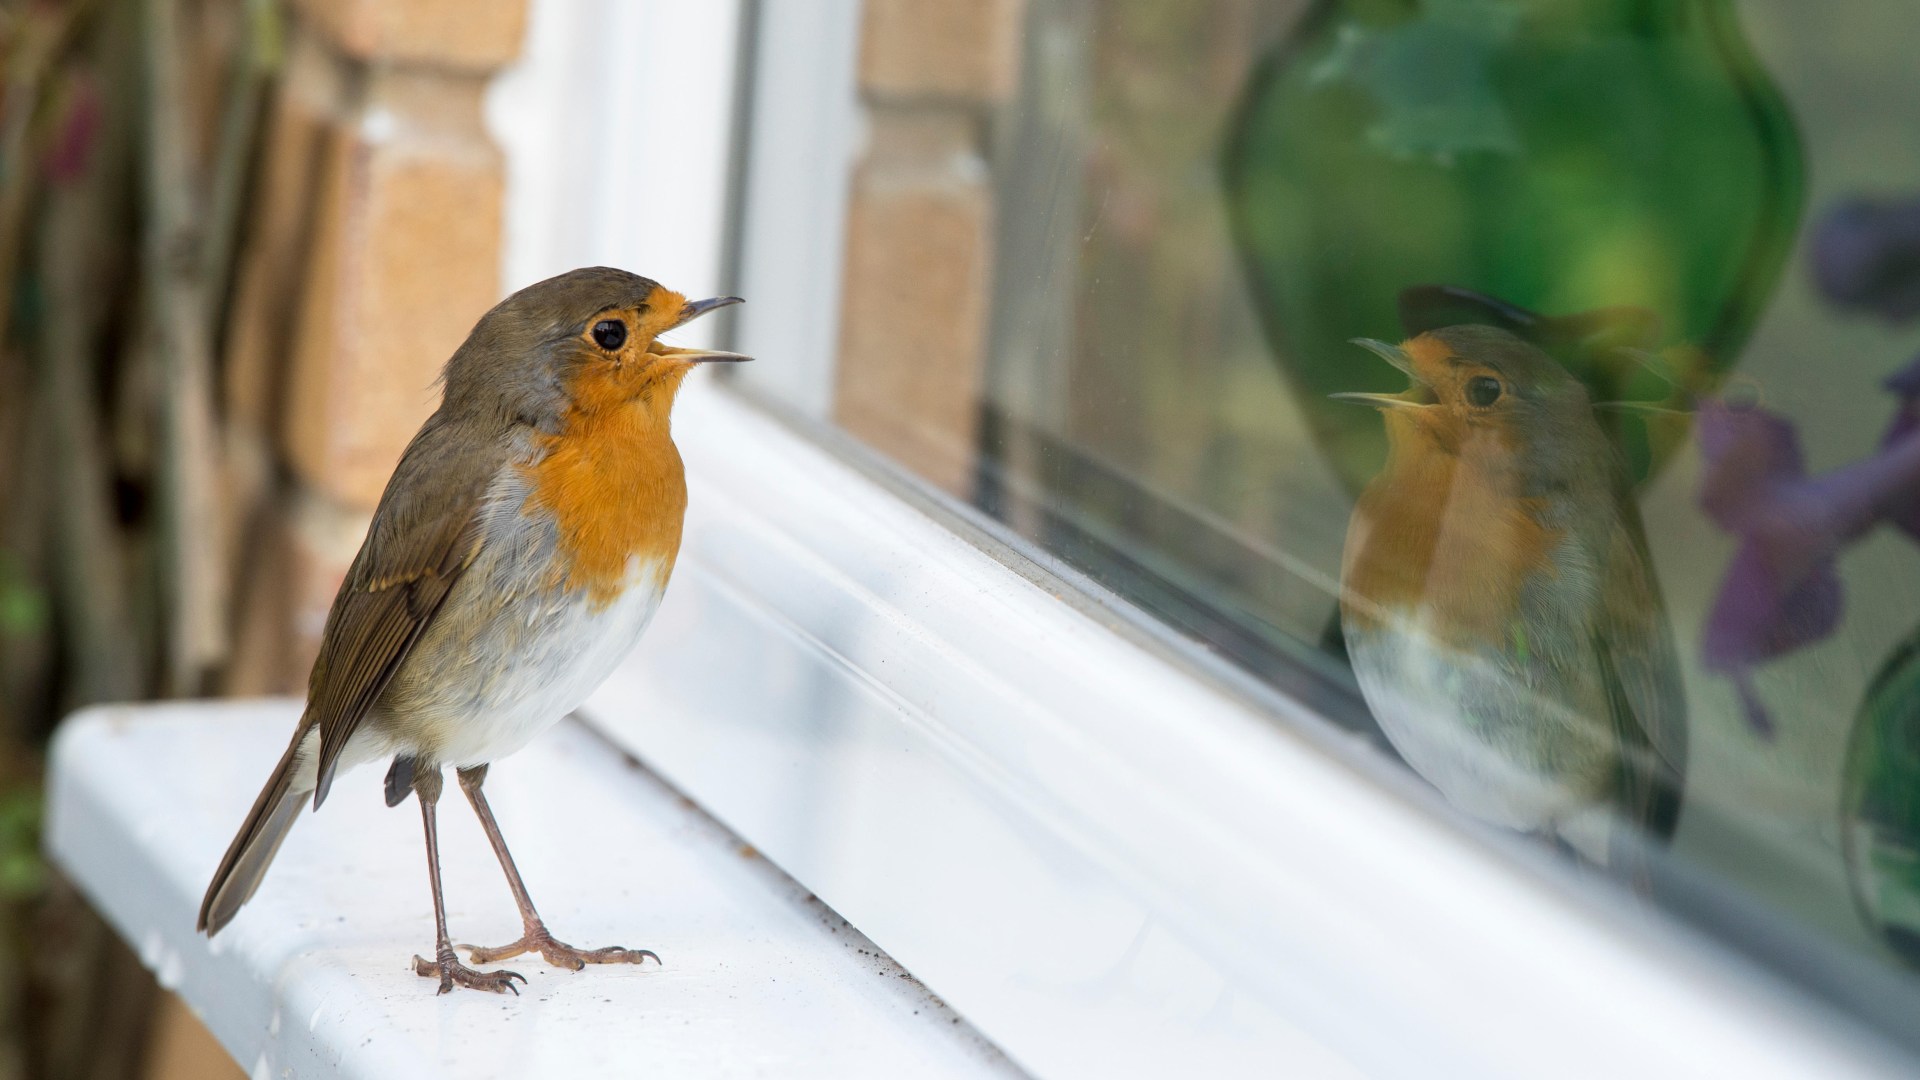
[[1623, 555]]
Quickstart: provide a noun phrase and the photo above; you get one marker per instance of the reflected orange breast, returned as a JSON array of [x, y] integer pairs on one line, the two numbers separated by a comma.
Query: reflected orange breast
[[1429, 536]]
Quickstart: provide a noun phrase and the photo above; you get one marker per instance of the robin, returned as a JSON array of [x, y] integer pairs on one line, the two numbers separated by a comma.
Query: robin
[[518, 552], [1498, 603]]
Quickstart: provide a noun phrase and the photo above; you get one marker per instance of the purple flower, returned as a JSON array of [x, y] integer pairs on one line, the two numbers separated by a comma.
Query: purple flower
[[1782, 589], [1904, 508], [1866, 254]]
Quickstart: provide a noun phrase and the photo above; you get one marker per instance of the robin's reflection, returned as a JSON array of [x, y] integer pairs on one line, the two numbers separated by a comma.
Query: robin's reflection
[[1498, 603]]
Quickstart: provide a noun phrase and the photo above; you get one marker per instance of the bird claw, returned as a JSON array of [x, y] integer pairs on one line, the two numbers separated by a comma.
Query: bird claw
[[558, 953], [452, 972]]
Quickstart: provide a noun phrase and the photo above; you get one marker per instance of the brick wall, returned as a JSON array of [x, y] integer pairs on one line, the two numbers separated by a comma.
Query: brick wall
[[920, 229], [374, 244]]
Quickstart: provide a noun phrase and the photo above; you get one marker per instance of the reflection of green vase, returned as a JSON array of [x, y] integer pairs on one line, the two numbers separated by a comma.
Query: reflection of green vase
[[1562, 155], [1880, 803]]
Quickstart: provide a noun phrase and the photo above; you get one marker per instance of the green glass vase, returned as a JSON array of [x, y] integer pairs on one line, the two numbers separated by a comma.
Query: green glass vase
[[1557, 156], [1880, 803]]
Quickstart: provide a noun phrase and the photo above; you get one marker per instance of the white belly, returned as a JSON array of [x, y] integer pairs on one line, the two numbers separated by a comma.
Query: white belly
[[518, 674], [511, 649], [548, 655], [1473, 727]]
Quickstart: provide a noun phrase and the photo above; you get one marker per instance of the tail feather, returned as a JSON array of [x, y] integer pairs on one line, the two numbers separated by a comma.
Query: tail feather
[[253, 849]]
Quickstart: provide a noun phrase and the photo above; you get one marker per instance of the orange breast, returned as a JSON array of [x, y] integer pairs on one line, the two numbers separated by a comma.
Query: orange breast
[[614, 484], [1428, 535]]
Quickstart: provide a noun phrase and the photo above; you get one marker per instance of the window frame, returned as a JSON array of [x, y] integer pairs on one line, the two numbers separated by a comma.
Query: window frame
[[1111, 854]]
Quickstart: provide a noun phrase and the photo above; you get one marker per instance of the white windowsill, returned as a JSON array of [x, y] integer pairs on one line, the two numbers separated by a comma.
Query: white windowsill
[[1106, 866], [1110, 867], [312, 979]]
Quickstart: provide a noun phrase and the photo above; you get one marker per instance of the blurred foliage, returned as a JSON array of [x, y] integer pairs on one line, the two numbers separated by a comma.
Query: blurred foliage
[[23, 606], [22, 873], [128, 131]]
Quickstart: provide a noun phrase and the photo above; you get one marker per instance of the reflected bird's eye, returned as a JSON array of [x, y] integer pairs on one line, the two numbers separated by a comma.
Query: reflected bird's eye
[[1482, 391], [609, 334]]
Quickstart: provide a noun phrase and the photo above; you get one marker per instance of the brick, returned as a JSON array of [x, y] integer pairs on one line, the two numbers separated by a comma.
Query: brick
[[914, 314], [297, 558], [312, 98], [179, 1046], [322, 539], [405, 257], [461, 35], [965, 51]]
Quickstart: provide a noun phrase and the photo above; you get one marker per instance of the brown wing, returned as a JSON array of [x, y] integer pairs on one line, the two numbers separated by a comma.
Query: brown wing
[[424, 535], [1642, 669]]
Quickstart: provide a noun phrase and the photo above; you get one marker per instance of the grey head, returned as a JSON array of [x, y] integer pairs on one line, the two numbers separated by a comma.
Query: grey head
[[1482, 378], [523, 358]]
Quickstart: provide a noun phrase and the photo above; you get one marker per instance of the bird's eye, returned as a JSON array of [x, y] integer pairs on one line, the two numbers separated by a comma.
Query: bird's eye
[[1482, 391], [609, 334]]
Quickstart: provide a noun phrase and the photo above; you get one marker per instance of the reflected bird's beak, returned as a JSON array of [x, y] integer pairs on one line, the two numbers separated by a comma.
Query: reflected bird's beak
[[1378, 401], [1392, 354]]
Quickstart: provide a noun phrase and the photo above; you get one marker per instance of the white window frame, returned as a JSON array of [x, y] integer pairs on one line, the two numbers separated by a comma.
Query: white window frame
[[1110, 861]]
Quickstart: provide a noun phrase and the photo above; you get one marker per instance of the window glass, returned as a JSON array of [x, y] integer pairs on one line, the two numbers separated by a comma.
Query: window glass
[[1532, 381]]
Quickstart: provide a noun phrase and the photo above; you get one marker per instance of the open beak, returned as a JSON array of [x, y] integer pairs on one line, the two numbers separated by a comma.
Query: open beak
[[1392, 354], [1378, 401], [699, 356], [693, 310], [1396, 356]]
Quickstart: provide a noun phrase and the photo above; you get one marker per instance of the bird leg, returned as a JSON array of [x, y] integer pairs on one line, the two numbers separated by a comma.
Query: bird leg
[[446, 965], [536, 938]]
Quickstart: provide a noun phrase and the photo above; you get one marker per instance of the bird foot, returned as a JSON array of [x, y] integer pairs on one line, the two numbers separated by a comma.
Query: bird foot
[[452, 972], [558, 953]]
